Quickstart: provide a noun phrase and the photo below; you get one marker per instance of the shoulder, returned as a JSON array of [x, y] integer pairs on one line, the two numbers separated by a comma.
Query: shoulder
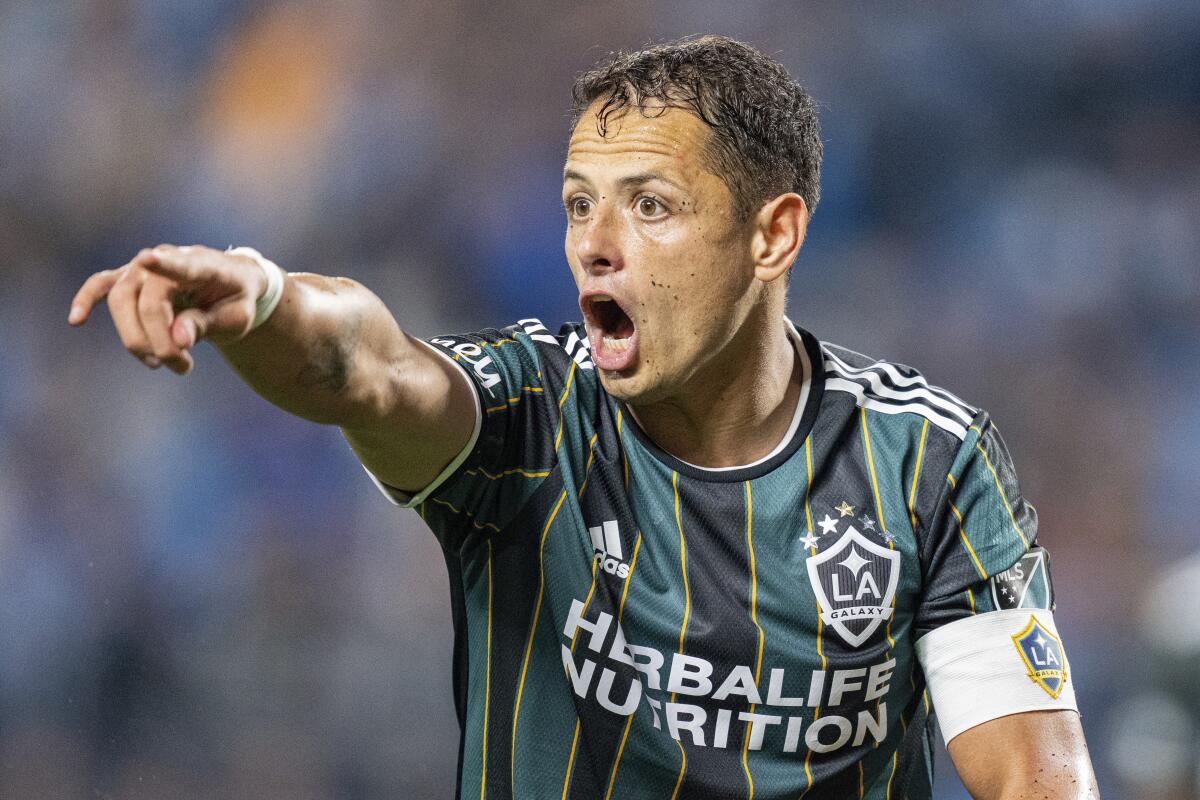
[[894, 389], [525, 346], [569, 346]]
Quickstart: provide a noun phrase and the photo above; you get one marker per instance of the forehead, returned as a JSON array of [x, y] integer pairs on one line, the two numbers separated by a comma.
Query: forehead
[[666, 137]]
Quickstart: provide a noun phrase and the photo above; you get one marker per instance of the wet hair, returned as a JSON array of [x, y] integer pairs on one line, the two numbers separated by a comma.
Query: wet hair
[[764, 140]]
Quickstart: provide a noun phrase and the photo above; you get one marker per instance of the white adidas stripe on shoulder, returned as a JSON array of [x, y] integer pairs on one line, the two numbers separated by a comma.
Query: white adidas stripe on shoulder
[[866, 401], [577, 347], [536, 330], [914, 388], [906, 394], [898, 378]]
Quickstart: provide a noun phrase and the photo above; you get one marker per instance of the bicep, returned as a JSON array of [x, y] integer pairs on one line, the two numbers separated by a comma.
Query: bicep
[[1031, 754], [428, 414]]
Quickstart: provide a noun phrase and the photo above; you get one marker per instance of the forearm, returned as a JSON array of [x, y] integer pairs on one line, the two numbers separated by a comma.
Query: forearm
[[1038, 754], [328, 353]]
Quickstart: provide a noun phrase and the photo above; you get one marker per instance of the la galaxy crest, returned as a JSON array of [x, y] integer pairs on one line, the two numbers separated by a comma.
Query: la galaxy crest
[[855, 583], [1042, 653]]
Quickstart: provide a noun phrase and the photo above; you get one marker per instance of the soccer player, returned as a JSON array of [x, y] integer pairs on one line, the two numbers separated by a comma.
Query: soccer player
[[694, 552]]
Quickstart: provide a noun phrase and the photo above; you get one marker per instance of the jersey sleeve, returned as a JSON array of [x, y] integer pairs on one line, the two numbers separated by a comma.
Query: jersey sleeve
[[511, 447], [986, 636]]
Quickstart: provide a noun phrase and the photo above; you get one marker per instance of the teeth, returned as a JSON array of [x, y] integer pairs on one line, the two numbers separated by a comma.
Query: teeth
[[617, 345], [597, 297]]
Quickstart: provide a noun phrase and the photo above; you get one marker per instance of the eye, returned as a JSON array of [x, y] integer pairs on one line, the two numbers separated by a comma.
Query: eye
[[650, 206], [579, 206]]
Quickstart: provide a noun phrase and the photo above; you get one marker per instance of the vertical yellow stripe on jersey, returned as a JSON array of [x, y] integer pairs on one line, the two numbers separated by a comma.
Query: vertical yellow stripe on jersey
[[571, 760], [562, 400], [1003, 497], [624, 458], [866, 434], [687, 592], [687, 610], [808, 488], [912, 492], [574, 638], [820, 625], [962, 533], [682, 769], [637, 546], [537, 607], [761, 636], [866, 437], [592, 589], [487, 676], [587, 470], [612, 776], [912, 515], [586, 603]]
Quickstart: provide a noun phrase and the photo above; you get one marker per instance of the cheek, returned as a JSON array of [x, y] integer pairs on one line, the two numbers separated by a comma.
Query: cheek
[[569, 250]]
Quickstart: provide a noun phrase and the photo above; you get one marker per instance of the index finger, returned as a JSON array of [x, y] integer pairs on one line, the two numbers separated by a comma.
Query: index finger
[[94, 290], [181, 263]]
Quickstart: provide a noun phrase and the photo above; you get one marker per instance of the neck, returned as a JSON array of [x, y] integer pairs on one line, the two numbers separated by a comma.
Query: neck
[[737, 408]]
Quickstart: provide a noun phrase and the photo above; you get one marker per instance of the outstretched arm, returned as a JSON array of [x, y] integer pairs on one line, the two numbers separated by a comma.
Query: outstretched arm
[[331, 352], [1036, 754]]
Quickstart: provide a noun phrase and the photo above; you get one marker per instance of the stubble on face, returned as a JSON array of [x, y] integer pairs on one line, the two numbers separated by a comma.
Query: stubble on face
[[683, 274]]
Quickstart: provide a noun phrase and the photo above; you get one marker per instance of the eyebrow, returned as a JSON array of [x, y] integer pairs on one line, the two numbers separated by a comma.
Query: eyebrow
[[628, 181]]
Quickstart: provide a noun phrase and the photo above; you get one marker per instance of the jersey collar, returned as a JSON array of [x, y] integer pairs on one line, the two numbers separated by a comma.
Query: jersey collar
[[811, 390]]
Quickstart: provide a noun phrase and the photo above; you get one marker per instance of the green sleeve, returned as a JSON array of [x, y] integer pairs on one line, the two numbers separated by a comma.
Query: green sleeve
[[980, 552], [512, 450]]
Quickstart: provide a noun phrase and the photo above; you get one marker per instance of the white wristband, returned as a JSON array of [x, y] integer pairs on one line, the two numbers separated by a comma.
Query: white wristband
[[265, 304]]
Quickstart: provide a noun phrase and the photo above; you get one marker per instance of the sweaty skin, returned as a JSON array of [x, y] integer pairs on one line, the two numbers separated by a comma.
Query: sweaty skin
[[714, 379]]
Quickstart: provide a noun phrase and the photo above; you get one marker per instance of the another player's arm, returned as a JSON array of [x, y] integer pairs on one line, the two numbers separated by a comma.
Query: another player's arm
[[1036, 754], [331, 352]]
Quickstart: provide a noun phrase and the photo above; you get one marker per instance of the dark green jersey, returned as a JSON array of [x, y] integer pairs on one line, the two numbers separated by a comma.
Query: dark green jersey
[[632, 626]]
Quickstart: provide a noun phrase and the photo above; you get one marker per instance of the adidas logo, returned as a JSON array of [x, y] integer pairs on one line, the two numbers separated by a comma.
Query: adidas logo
[[606, 541]]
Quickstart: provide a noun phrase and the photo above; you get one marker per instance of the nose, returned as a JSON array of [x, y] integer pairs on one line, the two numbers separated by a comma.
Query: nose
[[598, 242]]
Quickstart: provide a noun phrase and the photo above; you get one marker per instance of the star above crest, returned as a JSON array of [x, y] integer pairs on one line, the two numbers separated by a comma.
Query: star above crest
[[867, 523], [845, 509], [808, 540], [828, 525]]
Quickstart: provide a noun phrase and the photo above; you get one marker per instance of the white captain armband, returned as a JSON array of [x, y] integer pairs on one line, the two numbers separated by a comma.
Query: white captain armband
[[995, 664]]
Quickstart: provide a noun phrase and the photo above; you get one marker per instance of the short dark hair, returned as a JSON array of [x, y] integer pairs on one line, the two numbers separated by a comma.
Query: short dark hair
[[765, 139]]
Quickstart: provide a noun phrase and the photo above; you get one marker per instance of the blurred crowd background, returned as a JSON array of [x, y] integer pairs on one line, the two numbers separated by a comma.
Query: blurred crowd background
[[202, 597]]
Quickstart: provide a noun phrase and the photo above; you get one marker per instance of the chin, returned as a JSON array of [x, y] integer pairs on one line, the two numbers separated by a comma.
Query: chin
[[633, 387]]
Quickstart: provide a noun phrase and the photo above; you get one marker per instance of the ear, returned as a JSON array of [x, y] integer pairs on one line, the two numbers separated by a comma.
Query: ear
[[779, 228]]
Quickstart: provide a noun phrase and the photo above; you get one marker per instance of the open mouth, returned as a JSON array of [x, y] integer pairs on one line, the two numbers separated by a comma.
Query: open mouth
[[611, 331]]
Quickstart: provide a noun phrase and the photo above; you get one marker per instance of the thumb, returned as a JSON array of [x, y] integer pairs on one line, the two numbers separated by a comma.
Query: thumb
[[189, 327]]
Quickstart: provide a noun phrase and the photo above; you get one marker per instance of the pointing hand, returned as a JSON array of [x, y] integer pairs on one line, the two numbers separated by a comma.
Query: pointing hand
[[168, 298]]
